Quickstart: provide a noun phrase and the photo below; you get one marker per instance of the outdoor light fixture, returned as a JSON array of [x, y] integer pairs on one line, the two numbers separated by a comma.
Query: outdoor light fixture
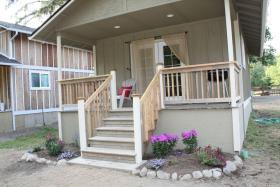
[[170, 15], [117, 27]]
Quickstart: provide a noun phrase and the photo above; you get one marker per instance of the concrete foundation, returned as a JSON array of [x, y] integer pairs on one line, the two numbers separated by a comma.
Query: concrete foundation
[[6, 122]]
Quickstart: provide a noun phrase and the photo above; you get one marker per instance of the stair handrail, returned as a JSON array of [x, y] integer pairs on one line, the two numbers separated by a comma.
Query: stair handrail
[[92, 111]]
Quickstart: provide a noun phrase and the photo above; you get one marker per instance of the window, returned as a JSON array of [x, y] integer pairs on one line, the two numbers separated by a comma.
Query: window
[[39, 80]]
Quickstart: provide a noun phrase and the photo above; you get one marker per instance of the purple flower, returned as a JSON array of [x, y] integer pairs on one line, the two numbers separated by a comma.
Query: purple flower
[[189, 134], [164, 138]]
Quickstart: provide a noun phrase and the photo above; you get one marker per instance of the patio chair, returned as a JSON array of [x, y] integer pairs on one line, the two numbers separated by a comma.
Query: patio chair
[[124, 93]]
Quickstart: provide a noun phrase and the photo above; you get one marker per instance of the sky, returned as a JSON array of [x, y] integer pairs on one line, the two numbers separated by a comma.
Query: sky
[[273, 17]]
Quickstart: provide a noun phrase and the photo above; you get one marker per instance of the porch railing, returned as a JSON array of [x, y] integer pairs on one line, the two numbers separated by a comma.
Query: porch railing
[[72, 89], [203, 83]]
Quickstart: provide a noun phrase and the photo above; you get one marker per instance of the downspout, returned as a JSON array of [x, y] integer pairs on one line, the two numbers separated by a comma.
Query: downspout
[[12, 80]]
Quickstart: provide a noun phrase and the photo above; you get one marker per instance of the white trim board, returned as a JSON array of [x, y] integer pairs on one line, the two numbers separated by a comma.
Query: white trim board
[[45, 68], [24, 112]]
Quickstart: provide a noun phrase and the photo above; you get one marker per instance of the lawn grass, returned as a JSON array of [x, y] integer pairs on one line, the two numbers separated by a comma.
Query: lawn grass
[[263, 138], [29, 141]]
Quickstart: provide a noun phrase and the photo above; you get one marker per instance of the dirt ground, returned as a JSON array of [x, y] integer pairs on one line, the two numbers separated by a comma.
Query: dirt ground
[[261, 170]]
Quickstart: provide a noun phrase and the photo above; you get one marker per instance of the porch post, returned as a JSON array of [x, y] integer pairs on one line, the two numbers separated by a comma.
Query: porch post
[[59, 65], [159, 67], [137, 128], [82, 123], [113, 89], [94, 59], [229, 30]]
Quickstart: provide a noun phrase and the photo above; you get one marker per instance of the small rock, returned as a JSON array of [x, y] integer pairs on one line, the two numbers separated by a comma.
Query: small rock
[[174, 176], [217, 169], [31, 157], [229, 168], [151, 174], [41, 160], [135, 172], [61, 162], [197, 174], [207, 173], [186, 177], [163, 175], [143, 172], [217, 174], [238, 162]]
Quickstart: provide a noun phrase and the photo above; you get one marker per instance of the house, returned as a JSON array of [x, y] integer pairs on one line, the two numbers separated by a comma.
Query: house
[[29, 74], [189, 59]]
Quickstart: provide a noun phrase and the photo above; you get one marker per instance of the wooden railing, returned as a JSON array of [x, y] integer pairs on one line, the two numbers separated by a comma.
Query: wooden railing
[[150, 105], [72, 89], [203, 83], [97, 106]]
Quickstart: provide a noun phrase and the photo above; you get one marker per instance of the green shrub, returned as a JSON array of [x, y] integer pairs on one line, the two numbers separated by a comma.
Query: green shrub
[[53, 145]]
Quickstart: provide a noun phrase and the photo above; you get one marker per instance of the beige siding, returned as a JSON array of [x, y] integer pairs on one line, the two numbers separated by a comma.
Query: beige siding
[[206, 41], [4, 40], [5, 86]]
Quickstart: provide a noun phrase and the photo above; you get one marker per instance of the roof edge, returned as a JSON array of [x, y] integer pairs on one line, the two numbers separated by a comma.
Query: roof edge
[[51, 18]]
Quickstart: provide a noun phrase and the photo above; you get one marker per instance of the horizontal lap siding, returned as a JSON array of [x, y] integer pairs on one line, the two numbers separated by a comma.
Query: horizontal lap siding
[[35, 53]]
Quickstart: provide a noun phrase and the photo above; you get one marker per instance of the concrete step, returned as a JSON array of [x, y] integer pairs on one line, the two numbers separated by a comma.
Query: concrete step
[[108, 154], [123, 112], [118, 121], [112, 142], [115, 131]]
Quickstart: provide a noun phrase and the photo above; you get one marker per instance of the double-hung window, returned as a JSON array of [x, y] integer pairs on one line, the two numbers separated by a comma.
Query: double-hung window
[[39, 80]]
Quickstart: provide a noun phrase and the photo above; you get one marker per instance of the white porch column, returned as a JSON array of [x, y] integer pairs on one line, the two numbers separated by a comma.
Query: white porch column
[[113, 89], [159, 67], [137, 128], [59, 66], [94, 59], [82, 124], [229, 30]]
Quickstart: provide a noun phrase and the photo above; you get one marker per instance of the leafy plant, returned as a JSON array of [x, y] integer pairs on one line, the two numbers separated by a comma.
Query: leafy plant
[[210, 156], [190, 140], [163, 144], [37, 149], [53, 145]]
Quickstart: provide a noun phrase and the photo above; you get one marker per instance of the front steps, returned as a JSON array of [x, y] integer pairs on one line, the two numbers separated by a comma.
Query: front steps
[[113, 143]]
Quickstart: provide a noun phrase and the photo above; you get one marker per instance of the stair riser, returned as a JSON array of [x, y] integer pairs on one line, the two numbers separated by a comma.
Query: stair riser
[[109, 157], [118, 123], [120, 114], [123, 134], [113, 145]]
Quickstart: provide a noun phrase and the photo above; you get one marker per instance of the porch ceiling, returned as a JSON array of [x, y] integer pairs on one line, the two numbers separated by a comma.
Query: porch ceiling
[[149, 18], [252, 16]]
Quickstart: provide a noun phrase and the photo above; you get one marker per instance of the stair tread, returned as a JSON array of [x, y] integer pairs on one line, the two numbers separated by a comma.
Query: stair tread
[[112, 139], [116, 118], [122, 110], [110, 151], [115, 128]]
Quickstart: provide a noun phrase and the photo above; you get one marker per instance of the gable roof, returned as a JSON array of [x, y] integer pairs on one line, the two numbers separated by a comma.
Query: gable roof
[[16, 27], [8, 61]]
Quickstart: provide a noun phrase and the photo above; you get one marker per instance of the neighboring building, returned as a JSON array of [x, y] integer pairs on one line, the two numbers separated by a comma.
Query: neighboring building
[[29, 74], [204, 84]]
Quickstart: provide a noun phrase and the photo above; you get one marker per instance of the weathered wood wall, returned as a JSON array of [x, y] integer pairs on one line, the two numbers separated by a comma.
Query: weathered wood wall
[[5, 86], [40, 56], [4, 39]]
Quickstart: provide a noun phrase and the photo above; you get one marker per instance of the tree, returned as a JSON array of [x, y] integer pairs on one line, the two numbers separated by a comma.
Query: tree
[[274, 73], [258, 76], [268, 57], [46, 7]]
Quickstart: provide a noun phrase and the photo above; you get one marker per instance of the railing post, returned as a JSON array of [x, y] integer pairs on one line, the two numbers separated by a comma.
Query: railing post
[[113, 89], [159, 67], [137, 127], [82, 123], [232, 84]]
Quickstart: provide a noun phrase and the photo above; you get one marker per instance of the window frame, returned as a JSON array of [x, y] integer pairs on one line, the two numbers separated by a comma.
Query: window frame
[[40, 77]]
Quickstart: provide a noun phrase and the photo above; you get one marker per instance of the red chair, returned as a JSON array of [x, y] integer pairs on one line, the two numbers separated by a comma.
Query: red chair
[[124, 92]]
